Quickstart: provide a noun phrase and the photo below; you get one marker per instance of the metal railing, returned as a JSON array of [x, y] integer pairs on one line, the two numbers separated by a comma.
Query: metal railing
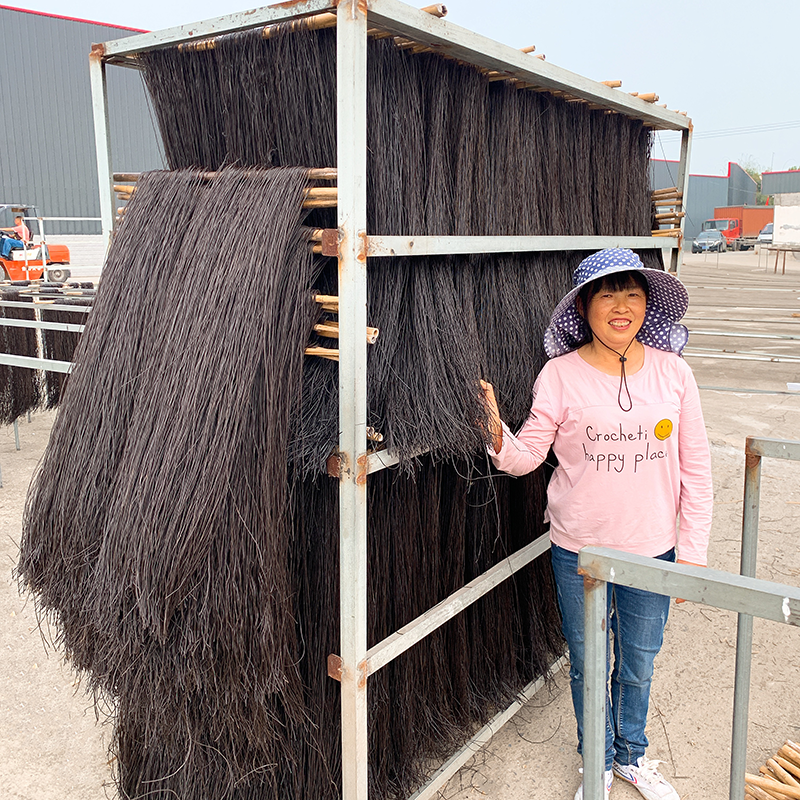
[[742, 593]]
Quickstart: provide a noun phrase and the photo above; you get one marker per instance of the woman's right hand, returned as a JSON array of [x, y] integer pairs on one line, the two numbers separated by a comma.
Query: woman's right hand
[[493, 412]]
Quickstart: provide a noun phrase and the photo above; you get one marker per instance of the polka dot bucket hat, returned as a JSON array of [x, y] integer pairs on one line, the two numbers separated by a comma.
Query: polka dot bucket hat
[[666, 304]]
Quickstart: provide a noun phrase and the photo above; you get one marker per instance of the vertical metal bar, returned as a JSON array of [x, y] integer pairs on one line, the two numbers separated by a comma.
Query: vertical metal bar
[[744, 630], [16, 434], [351, 106], [102, 142], [594, 688], [683, 186], [43, 248]]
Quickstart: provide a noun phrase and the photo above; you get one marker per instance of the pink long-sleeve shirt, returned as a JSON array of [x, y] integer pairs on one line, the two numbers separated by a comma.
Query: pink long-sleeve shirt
[[623, 478]]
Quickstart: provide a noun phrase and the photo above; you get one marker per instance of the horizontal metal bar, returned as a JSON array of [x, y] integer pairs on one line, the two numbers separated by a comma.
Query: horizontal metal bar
[[744, 288], [773, 448], [744, 335], [484, 736], [378, 246], [67, 219], [400, 641], [46, 326], [227, 23], [381, 460], [775, 601], [739, 390], [719, 307], [464, 45], [695, 353], [44, 306], [48, 365]]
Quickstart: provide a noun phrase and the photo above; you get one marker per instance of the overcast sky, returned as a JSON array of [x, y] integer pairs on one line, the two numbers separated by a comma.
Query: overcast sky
[[734, 66]]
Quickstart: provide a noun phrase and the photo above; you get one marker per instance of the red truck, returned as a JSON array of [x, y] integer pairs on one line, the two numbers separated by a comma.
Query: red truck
[[740, 225]]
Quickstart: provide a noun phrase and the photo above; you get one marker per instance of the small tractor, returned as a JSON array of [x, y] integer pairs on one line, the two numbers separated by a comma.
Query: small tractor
[[31, 261]]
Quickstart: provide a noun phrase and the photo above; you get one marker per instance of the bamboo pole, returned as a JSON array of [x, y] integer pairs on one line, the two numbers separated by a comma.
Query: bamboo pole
[[529, 49], [665, 190], [666, 232], [671, 215], [612, 84]]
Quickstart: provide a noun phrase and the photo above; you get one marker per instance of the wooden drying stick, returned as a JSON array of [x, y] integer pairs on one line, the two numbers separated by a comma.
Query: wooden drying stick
[[782, 774], [788, 765], [330, 330], [665, 190], [612, 84], [373, 435], [790, 754], [757, 793], [329, 302], [775, 791], [772, 787], [323, 352]]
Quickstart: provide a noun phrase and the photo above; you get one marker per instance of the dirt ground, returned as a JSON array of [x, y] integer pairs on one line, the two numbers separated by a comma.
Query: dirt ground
[[53, 748]]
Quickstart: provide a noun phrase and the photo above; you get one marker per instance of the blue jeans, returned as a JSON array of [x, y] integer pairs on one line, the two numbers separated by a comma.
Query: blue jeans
[[636, 619], [9, 245]]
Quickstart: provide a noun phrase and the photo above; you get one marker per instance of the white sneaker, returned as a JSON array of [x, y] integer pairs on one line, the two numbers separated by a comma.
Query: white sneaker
[[644, 775], [609, 780]]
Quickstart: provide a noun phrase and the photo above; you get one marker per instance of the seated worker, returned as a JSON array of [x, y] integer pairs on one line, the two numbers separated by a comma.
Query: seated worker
[[21, 236]]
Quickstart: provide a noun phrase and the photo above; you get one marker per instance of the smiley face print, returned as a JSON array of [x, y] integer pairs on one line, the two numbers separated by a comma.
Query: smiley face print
[[663, 429]]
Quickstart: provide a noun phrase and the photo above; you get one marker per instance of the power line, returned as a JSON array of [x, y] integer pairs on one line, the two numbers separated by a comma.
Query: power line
[[767, 128]]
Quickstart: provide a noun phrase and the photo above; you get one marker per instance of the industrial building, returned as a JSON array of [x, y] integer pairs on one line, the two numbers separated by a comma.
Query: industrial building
[[787, 182], [47, 159]]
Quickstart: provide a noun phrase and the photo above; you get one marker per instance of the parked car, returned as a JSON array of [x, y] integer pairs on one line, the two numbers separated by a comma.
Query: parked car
[[709, 241], [765, 237]]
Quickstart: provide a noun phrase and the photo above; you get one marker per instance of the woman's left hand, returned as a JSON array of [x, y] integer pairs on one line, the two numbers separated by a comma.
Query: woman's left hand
[[692, 564]]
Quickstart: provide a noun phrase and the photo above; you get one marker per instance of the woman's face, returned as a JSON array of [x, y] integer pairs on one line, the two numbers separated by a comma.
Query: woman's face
[[616, 316]]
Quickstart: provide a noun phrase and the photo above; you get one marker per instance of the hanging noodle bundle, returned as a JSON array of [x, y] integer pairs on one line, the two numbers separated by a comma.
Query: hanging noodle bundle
[[20, 390], [185, 540]]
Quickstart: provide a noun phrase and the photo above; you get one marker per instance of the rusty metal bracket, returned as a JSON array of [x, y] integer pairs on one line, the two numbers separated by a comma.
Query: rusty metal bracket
[[333, 465], [330, 242], [361, 475], [335, 667]]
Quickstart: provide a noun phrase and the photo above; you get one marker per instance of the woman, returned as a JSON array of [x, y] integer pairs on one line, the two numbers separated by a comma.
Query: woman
[[622, 413]]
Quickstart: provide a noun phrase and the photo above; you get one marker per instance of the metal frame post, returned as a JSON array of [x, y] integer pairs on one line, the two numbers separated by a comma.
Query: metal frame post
[[102, 142], [744, 628], [683, 186], [594, 688], [351, 109]]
